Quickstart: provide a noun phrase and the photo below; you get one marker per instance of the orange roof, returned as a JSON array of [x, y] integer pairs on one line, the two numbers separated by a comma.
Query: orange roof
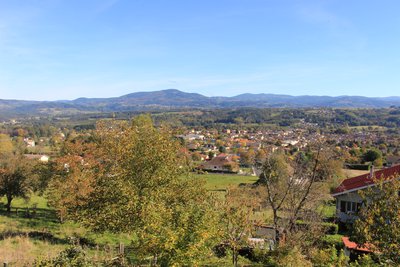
[[354, 246]]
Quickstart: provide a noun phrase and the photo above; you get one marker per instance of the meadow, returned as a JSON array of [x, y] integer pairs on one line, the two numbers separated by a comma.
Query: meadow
[[32, 229]]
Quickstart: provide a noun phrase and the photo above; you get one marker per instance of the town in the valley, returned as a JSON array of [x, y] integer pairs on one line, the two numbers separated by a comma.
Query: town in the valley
[[300, 185]]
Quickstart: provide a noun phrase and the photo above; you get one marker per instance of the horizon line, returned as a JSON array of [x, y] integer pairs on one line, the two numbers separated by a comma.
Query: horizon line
[[161, 90]]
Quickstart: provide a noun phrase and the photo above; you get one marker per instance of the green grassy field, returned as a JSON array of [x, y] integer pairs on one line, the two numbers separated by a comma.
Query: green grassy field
[[218, 181], [25, 238]]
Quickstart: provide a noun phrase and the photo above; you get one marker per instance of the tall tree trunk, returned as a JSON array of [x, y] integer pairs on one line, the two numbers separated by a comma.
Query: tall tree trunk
[[8, 205], [235, 257], [276, 225], [154, 261]]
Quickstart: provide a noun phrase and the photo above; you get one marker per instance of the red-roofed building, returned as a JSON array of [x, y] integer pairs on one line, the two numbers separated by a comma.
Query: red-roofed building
[[354, 250], [348, 201]]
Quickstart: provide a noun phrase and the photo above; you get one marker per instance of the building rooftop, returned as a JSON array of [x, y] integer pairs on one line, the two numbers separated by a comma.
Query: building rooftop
[[365, 180]]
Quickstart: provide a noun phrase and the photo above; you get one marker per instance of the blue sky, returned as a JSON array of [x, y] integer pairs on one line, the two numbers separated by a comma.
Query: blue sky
[[65, 49]]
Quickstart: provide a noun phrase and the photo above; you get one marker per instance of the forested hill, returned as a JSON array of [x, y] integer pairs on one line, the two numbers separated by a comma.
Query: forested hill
[[172, 98]]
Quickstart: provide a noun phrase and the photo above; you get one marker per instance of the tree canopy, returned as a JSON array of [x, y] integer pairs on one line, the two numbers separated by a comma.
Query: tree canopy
[[15, 174], [379, 220], [133, 180]]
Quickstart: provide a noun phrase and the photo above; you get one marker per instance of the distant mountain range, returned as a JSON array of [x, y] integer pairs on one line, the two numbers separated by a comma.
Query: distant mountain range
[[173, 99]]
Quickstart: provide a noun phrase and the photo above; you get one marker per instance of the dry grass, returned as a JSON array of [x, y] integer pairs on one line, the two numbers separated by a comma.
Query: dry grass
[[353, 173], [22, 251]]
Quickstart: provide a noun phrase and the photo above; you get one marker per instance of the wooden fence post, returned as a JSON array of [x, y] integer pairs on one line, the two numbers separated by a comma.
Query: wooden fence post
[[121, 249]]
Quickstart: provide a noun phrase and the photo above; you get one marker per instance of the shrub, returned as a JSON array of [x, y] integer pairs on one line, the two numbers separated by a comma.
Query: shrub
[[329, 257], [330, 228], [332, 240], [70, 257]]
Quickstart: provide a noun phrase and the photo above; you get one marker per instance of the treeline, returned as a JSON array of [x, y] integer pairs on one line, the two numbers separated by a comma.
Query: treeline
[[285, 117], [256, 118]]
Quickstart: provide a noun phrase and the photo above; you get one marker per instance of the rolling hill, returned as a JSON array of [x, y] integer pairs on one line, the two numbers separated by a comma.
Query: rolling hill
[[172, 98]]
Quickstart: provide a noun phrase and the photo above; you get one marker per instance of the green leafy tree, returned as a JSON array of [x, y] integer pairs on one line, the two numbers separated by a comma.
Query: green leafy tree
[[379, 220], [292, 190], [372, 155], [14, 178], [135, 185]]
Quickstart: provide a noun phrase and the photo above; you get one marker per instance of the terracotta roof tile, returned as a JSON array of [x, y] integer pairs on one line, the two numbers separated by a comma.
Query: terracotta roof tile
[[353, 245], [365, 179]]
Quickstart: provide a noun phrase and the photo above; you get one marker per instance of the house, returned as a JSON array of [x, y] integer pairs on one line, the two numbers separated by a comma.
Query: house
[[191, 137], [354, 250], [41, 158], [209, 147], [221, 163], [348, 200], [29, 142], [286, 143]]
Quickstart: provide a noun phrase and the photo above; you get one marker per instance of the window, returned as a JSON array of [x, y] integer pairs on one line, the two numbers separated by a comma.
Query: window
[[343, 206], [348, 206]]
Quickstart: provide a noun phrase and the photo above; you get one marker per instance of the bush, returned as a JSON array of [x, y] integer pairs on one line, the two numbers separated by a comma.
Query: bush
[[285, 256], [365, 261], [361, 167], [330, 228], [332, 240], [329, 257], [71, 257]]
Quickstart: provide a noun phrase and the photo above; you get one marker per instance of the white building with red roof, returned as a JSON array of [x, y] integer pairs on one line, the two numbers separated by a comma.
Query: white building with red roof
[[348, 200], [354, 250]]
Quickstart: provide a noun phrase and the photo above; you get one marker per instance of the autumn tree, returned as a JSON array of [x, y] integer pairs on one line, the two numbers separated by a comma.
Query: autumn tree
[[260, 155], [293, 189], [72, 176], [247, 157], [133, 181], [238, 209], [378, 221], [15, 180], [6, 145]]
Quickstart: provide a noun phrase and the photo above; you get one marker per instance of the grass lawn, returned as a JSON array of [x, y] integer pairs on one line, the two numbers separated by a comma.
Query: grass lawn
[[25, 238], [219, 181], [327, 210], [353, 173]]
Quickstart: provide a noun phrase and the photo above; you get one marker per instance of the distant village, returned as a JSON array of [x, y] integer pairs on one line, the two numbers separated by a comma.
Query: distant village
[[229, 150]]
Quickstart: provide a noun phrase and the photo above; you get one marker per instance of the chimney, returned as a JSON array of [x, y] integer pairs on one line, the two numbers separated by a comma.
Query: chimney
[[371, 172]]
